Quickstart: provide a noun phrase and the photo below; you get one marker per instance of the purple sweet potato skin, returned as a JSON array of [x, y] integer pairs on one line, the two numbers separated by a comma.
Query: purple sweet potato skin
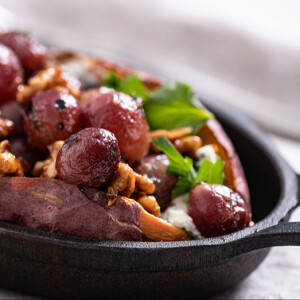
[[55, 206]]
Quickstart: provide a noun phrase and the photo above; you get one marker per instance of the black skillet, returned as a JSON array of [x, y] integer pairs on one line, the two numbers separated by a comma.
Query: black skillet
[[67, 267]]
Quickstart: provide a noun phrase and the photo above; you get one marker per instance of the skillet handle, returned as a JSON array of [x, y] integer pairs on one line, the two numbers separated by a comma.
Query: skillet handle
[[282, 234]]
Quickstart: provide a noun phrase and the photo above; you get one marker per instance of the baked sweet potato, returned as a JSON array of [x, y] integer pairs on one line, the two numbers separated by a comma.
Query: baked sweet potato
[[55, 206], [91, 71], [213, 133]]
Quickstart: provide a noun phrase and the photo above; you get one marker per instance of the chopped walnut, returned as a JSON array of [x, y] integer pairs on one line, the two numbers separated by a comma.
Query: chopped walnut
[[47, 79], [9, 164], [127, 181], [150, 204], [6, 127], [185, 144], [171, 134], [144, 184], [188, 145], [47, 168]]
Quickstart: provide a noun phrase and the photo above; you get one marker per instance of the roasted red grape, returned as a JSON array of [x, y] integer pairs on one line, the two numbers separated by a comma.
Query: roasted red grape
[[89, 157], [120, 114], [50, 116], [11, 110], [155, 167], [29, 51], [11, 74], [21, 147], [217, 210]]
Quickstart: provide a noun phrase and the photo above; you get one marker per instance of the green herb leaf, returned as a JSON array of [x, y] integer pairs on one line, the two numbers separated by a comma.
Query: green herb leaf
[[174, 106], [178, 165], [183, 168], [131, 85], [183, 186], [168, 107], [211, 172], [112, 80]]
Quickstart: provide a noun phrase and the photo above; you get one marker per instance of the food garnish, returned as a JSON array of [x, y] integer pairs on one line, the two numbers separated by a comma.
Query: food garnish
[[183, 167], [115, 153]]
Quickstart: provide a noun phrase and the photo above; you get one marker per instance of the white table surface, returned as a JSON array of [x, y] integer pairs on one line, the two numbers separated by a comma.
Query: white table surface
[[260, 62]]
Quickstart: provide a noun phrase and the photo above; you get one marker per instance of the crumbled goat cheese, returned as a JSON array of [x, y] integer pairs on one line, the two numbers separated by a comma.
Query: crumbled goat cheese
[[177, 214], [81, 71], [206, 152]]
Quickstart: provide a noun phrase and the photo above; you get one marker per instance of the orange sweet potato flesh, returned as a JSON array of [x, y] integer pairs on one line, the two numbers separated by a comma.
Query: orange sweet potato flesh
[[157, 229], [213, 133]]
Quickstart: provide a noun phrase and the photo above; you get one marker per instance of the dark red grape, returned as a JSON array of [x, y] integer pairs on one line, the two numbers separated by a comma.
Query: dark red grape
[[217, 210], [11, 74], [120, 114], [12, 111], [155, 167], [51, 116], [89, 157], [30, 52], [21, 147]]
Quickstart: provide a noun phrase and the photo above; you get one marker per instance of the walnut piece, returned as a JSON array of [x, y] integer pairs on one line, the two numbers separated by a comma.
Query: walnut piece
[[181, 139], [47, 168], [6, 127], [9, 164], [171, 134], [150, 205], [45, 80], [188, 145], [127, 181]]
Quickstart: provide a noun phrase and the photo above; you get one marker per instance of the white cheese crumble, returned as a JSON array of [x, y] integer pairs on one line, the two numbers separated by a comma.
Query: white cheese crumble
[[206, 152], [80, 70], [177, 214]]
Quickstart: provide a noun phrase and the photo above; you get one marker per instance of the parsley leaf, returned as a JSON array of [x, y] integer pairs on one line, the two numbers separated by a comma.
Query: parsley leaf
[[178, 165], [183, 168], [174, 106], [131, 85], [211, 172], [168, 107], [112, 80], [183, 186]]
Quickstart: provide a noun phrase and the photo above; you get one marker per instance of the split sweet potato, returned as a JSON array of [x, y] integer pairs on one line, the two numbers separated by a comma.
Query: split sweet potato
[[55, 206], [213, 133]]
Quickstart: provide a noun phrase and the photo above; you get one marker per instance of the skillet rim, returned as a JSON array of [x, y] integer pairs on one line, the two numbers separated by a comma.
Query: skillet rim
[[286, 202]]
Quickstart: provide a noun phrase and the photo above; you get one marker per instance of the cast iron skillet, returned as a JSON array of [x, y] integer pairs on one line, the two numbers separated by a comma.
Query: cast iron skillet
[[67, 267]]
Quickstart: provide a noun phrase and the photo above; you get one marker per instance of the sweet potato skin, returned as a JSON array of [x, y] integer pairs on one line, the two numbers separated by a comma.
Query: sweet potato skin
[[55, 206], [213, 133]]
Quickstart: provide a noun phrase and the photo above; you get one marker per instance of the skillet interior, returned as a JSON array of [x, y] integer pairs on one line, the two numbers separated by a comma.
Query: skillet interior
[[71, 267]]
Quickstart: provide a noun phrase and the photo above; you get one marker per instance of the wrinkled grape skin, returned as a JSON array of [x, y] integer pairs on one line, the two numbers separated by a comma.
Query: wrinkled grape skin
[[217, 210], [120, 114], [51, 116], [89, 158], [30, 52], [155, 167], [11, 74]]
